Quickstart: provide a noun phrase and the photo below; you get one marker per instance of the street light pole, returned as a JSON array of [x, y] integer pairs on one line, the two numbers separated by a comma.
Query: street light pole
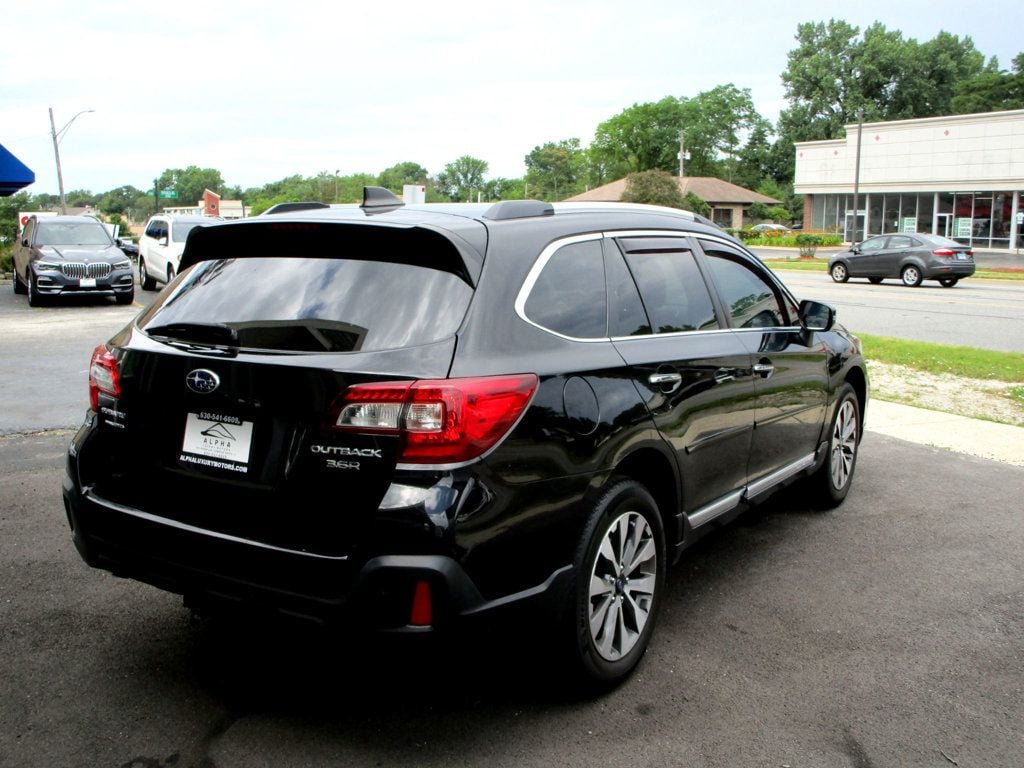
[[56, 136]]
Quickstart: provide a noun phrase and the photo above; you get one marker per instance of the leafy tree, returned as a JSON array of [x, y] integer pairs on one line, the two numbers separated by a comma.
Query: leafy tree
[[400, 174], [754, 162], [992, 90], [642, 137], [834, 73], [80, 198], [119, 200], [190, 183], [461, 179], [9, 225], [696, 204], [713, 121], [554, 170], [504, 189], [654, 188]]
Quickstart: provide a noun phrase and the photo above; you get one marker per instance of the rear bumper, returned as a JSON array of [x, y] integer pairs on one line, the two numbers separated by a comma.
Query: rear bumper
[[206, 566], [949, 269]]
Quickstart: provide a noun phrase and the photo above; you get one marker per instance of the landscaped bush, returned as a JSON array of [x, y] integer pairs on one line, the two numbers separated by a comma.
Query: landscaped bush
[[6, 261], [792, 240]]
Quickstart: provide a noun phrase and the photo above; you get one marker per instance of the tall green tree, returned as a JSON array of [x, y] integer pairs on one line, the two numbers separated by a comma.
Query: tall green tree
[[835, 73], [713, 122], [462, 179], [555, 170], [400, 174], [190, 183], [992, 90], [120, 199], [642, 137]]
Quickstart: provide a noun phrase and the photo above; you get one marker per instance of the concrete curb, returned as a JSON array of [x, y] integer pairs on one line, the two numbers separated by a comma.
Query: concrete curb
[[974, 437]]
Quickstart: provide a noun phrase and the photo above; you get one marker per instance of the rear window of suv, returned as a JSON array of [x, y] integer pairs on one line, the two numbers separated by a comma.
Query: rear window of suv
[[295, 304]]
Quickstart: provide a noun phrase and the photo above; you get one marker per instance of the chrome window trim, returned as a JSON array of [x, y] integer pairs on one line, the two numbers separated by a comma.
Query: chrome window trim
[[555, 245]]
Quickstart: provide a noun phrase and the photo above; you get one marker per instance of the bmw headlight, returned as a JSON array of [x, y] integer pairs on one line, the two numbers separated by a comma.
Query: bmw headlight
[[126, 264], [47, 266]]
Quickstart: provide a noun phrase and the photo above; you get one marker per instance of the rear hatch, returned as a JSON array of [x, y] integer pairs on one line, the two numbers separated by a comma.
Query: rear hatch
[[229, 386]]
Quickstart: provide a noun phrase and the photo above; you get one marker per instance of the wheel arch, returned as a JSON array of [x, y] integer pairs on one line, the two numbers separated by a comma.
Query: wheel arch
[[653, 470], [857, 379]]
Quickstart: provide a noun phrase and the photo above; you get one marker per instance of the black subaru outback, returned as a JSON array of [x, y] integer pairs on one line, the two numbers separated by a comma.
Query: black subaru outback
[[407, 417]]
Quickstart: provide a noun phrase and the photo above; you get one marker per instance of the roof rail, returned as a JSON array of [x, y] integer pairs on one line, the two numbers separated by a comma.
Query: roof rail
[[380, 200], [518, 209], [290, 207]]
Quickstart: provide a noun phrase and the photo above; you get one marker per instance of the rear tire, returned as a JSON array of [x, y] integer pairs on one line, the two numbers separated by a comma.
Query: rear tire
[[948, 282], [619, 574], [145, 281], [911, 276], [831, 482], [839, 272]]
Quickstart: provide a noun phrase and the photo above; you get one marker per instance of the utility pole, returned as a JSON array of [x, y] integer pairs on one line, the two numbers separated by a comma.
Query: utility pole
[[856, 178], [56, 136]]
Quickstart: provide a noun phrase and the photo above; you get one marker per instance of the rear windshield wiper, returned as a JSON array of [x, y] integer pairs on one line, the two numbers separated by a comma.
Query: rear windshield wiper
[[217, 336]]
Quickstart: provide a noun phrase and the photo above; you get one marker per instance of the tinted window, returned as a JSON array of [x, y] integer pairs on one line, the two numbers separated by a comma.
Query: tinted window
[[626, 316], [751, 300], [673, 291], [873, 244], [315, 305], [569, 295], [152, 229]]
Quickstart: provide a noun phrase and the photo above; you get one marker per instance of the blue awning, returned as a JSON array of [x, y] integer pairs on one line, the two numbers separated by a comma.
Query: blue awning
[[14, 174]]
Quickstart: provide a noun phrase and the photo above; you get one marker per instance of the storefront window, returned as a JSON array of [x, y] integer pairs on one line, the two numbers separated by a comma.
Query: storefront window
[[1002, 210], [875, 218], [890, 215], [925, 207]]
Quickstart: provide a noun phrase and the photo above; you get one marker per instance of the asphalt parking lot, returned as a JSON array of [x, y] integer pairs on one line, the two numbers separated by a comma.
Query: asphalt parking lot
[[888, 632]]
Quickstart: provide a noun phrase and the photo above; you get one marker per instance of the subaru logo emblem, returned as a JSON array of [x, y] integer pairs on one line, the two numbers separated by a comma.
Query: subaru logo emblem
[[202, 381]]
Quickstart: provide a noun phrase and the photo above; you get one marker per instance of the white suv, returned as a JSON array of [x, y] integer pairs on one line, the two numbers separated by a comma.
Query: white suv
[[161, 245]]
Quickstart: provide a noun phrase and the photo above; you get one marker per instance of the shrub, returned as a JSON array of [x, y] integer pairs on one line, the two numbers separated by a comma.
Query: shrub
[[808, 243]]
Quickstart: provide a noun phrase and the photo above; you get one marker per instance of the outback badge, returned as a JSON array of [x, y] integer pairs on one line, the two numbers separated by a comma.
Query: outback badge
[[202, 380]]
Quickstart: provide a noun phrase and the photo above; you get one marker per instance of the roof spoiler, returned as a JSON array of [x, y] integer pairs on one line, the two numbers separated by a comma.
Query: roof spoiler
[[292, 207], [380, 200]]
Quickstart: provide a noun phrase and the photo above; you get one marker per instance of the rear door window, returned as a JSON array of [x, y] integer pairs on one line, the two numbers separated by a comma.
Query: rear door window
[[750, 297], [294, 304]]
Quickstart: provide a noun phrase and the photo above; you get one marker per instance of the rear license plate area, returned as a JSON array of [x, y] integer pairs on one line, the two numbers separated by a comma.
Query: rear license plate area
[[214, 441]]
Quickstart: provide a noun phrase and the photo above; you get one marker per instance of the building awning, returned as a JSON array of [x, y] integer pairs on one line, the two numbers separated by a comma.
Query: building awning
[[14, 174]]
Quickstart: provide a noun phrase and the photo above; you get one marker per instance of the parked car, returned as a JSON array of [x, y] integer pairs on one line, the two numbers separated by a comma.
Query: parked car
[[162, 244], [762, 228], [410, 417], [70, 255], [910, 258]]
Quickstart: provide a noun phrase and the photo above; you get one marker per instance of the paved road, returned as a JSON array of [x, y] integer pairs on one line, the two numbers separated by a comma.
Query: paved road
[[988, 314], [888, 632]]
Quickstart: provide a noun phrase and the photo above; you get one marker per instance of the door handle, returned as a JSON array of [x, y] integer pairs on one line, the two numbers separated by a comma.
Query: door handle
[[764, 369], [667, 382]]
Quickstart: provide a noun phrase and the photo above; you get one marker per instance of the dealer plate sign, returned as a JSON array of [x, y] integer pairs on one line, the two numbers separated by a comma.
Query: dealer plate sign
[[217, 440]]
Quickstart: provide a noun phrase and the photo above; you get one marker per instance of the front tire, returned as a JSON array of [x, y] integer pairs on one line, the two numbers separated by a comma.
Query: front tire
[[831, 482], [19, 287], [125, 298], [35, 299], [911, 276], [839, 272], [145, 281], [620, 572]]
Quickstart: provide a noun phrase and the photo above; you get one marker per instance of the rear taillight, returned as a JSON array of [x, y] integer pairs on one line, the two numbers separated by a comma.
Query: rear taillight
[[103, 376], [442, 421], [943, 252]]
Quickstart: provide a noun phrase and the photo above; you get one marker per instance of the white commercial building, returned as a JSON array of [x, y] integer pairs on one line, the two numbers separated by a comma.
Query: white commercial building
[[960, 176]]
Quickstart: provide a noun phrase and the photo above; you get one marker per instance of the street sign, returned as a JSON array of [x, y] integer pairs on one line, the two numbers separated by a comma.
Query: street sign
[[168, 193]]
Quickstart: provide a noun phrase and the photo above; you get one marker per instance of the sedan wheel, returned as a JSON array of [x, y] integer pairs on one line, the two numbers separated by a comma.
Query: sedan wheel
[[948, 282], [911, 276], [839, 272], [620, 568]]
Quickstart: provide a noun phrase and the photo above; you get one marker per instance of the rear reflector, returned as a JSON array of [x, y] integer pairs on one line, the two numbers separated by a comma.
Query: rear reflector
[[442, 421], [422, 613], [103, 375]]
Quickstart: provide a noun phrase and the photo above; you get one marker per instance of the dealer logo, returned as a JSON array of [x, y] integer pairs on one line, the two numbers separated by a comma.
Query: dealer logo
[[202, 381]]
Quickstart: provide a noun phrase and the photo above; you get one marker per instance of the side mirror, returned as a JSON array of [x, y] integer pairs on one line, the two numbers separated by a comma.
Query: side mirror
[[854, 249], [815, 316], [162, 241]]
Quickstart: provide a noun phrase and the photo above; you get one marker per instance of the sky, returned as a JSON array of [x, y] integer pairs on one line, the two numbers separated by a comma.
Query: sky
[[263, 90]]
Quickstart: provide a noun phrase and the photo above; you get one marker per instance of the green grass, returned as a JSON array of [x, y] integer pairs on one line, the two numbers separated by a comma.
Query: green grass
[[821, 265], [946, 358], [1016, 394]]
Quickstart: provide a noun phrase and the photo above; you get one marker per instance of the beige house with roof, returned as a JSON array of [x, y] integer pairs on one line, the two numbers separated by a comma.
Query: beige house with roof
[[728, 201]]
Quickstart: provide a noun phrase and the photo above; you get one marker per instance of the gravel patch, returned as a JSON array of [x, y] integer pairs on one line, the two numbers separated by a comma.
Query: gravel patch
[[975, 398]]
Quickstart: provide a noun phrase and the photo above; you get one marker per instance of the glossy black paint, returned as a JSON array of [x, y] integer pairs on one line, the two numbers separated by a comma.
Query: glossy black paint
[[298, 535]]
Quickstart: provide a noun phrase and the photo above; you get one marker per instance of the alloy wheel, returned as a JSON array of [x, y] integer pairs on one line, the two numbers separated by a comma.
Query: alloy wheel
[[622, 584], [844, 444]]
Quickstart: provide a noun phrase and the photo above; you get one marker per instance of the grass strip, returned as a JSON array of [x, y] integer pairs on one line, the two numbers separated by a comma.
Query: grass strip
[[945, 358]]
